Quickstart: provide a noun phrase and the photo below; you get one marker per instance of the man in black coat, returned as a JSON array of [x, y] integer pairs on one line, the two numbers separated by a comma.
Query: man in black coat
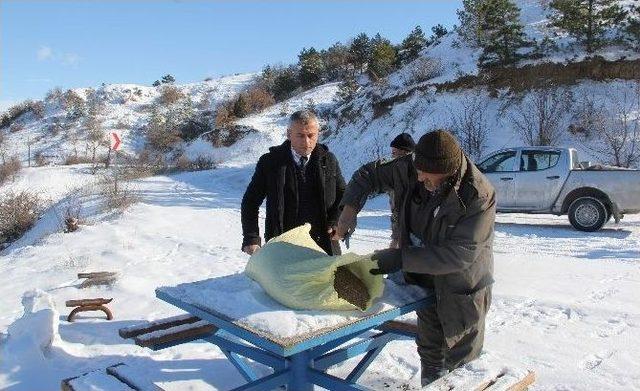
[[302, 183]]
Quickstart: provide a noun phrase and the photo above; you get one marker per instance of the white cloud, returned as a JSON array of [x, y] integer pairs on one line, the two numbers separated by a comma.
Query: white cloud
[[44, 53], [71, 59]]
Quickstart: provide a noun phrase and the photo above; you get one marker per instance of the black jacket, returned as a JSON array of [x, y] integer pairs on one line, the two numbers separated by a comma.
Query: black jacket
[[275, 180]]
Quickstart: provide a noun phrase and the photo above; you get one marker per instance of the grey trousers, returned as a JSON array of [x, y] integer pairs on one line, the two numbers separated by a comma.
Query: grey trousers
[[435, 357]]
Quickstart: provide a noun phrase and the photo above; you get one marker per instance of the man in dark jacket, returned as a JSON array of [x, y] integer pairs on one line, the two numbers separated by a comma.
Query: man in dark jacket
[[302, 183], [446, 243], [401, 145]]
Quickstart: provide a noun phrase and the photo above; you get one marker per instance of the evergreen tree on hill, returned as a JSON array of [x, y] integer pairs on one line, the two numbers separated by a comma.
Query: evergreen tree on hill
[[412, 45], [501, 31], [311, 67], [587, 20]]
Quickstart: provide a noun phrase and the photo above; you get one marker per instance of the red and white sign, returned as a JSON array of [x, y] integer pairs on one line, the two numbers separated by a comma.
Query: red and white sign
[[115, 142]]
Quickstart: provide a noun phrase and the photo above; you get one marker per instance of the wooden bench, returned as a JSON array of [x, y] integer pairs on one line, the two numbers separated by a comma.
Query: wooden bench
[[117, 377], [83, 305], [163, 333]]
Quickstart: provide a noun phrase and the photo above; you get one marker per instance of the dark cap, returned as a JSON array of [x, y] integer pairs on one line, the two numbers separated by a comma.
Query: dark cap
[[438, 152], [404, 141]]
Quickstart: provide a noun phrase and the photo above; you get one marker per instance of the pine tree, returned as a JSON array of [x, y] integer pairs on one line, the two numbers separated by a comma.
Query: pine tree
[[438, 31], [501, 31], [632, 28], [311, 67], [336, 61], [469, 18], [383, 57], [348, 89], [360, 50], [412, 45], [587, 20], [168, 79], [156, 83]]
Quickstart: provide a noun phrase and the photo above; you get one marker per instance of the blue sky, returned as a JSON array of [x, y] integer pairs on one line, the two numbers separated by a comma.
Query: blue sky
[[44, 44]]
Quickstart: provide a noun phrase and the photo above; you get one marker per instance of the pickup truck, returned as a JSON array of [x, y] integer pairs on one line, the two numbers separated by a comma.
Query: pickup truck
[[553, 181]]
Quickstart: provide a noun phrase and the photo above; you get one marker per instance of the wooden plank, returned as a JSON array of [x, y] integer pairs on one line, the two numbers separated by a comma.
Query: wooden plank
[[396, 325], [87, 302], [462, 379], [97, 274], [132, 378], [159, 324], [201, 328], [510, 382], [101, 280], [92, 380]]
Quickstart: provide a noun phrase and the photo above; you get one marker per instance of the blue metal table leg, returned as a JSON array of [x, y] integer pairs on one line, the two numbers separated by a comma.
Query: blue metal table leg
[[241, 365], [299, 364], [363, 364]]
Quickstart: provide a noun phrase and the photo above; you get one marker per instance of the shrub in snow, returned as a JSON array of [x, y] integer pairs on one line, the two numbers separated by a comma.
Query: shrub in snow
[[610, 125], [18, 212], [423, 69], [9, 168], [170, 94], [539, 119], [40, 159], [55, 97], [74, 105], [15, 112], [76, 159], [117, 197], [469, 123]]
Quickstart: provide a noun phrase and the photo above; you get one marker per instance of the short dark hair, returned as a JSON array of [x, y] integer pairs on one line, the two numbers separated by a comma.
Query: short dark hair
[[304, 117]]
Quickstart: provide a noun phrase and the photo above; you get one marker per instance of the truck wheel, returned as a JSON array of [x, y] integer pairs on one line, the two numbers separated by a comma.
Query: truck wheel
[[587, 214]]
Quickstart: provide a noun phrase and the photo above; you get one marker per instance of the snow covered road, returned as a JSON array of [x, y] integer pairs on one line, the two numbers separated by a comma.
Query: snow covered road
[[565, 302]]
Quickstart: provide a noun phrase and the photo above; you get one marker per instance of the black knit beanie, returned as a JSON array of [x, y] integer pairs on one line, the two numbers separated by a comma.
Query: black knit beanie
[[438, 152], [404, 141]]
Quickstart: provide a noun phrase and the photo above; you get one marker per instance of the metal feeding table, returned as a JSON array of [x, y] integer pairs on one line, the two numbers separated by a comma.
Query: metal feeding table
[[298, 345]]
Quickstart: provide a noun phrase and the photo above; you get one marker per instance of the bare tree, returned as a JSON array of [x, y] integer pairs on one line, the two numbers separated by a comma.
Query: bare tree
[[611, 125], [539, 118], [3, 147], [470, 124]]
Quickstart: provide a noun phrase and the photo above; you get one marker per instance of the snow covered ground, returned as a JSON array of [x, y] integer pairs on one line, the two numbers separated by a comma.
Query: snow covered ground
[[565, 302]]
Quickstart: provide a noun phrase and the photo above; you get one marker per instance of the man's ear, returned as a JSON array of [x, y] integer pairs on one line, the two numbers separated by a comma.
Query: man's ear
[[288, 133]]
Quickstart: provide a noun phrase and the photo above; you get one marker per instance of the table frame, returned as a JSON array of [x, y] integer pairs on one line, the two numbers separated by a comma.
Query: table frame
[[300, 365]]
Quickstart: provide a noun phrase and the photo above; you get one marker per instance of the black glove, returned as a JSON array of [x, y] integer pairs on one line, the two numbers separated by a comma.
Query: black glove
[[389, 261]]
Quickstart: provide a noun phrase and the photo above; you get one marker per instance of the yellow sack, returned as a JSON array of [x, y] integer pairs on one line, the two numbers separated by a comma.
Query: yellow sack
[[296, 272]]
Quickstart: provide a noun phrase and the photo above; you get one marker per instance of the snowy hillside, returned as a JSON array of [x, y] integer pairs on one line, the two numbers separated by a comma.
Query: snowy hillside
[[126, 110]]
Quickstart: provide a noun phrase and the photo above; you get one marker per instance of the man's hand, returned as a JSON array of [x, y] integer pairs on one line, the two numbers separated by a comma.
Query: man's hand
[[250, 249], [389, 261], [346, 223]]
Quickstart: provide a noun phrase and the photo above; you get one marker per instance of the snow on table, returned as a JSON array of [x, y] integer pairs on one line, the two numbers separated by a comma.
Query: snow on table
[[240, 300]]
